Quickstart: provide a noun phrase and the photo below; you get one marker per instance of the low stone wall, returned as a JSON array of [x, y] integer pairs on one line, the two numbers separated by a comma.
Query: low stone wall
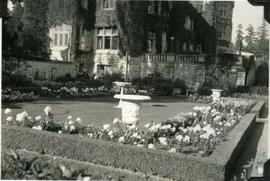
[[42, 68], [258, 109], [216, 167]]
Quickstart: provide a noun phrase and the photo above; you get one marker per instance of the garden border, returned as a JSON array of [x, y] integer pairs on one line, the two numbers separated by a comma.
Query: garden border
[[217, 166]]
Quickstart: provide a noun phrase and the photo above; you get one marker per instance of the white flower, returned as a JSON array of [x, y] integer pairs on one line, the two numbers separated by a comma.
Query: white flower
[[151, 146], [163, 141], [172, 150], [86, 178], [121, 139], [116, 120], [173, 129], [168, 126], [155, 128], [194, 114], [110, 133], [147, 125], [228, 124], [79, 120], [184, 130], [69, 117], [37, 127], [201, 152], [135, 135], [139, 145], [220, 123], [20, 117], [47, 110], [10, 118], [24, 114], [72, 128], [196, 108], [186, 139], [106, 126], [90, 135], [197, 128], [71, 122], [60, 132], [8, 111], [38, 118], [179, 138]]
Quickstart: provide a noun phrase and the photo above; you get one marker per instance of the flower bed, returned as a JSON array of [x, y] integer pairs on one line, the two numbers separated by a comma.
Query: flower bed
[[16, 96], [177, 166], [196, 133]]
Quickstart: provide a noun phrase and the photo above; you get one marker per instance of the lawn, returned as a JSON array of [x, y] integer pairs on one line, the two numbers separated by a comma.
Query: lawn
[[99, 111]]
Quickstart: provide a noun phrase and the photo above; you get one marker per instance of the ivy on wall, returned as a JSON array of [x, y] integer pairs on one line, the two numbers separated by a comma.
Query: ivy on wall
[[130, 17], [35, 27]]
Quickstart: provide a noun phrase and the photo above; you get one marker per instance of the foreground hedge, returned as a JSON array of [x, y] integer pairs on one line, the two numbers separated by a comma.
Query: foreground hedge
[[217, 166]]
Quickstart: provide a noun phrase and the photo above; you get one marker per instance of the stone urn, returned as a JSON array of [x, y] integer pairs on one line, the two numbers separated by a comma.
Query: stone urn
[[130, 107]]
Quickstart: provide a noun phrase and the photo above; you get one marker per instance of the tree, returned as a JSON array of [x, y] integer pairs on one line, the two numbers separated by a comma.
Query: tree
[[36, 28], [250, 39], [239, 35], [263, 41]]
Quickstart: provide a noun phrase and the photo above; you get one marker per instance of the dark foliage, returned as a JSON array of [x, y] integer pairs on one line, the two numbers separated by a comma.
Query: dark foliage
[[35, 27], [261, 77]]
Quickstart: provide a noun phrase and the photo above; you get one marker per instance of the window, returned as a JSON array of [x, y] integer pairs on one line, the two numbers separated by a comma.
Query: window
[[55, 39], [107, 38], [222, 11], [85, 4], [61, 39], [151, 7], [66, 39], [151, 41], [108, 4], [188, 23]]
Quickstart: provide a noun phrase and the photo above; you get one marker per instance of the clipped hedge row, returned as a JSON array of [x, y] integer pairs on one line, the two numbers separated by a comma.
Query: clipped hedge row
[[217, 166], [86, 168]]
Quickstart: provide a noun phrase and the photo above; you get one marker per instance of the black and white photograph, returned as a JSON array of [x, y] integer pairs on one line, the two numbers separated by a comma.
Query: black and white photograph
[[129, 90]]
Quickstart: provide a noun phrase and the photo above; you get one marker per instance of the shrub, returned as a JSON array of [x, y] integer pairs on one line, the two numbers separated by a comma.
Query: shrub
[[179, 83], [204, 91]]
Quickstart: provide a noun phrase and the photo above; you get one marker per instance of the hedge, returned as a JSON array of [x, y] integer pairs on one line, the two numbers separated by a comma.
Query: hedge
[[87, 168], [217, 166]]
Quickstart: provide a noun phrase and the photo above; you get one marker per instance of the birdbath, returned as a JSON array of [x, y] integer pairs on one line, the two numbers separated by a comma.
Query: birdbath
[[216, 94], [121, 85], [130, 107]]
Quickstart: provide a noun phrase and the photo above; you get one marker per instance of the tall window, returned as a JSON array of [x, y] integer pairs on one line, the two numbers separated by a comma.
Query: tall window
[[151, 7], [66, 39], [108, 4], [188, 23], [55, 39], [151, 42], [107, 38], [84, 4], [61, 39], [222, 11]]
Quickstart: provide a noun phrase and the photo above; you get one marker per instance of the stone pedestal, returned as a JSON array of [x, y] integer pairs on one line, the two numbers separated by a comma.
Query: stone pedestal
[[130, 107], [216, 94]]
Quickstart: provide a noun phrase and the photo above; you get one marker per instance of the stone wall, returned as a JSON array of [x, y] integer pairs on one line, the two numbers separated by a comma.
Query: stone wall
[[186, 68], [46, 69]]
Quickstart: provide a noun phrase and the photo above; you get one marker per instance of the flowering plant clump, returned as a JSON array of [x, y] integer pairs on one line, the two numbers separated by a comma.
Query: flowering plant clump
[[197, 132], [17, 96]]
